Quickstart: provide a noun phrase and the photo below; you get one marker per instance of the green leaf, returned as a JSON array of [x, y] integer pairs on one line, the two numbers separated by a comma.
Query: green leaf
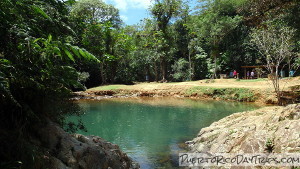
[[70, 56], [50, 38], [36, 40], [4, 61], [83, 54], [57, 51], [75, 50], [88, 55], [38, 10]]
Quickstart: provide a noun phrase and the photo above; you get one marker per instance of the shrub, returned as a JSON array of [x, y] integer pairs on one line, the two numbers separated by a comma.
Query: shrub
[[239, 94], [181, 70]]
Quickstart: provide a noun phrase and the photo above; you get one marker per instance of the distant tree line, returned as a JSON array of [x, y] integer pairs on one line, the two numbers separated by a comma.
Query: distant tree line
[[175, 44]]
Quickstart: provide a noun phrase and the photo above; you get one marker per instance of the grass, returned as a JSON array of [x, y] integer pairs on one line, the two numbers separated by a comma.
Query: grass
[[238, 94], [253, 80], [108, 87]]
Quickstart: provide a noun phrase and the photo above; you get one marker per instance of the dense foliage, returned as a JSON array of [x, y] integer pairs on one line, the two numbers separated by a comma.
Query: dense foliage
[[177, 45], [37, 73], [49, 48]]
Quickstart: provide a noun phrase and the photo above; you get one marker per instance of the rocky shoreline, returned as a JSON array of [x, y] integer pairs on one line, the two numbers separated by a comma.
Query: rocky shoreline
[[62, 150], [266, 130]]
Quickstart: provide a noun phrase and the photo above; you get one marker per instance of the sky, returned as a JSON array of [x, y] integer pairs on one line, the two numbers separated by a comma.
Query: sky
[[132, 11]]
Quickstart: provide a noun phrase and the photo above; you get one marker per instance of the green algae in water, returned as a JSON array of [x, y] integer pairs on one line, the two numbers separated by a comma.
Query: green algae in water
[[151, 130]]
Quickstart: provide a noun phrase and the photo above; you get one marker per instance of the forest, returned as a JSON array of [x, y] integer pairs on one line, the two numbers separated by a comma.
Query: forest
[[179, 43], [50, 48]]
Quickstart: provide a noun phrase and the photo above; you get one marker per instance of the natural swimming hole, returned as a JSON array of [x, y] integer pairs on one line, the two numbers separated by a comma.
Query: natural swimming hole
[[152, 130]]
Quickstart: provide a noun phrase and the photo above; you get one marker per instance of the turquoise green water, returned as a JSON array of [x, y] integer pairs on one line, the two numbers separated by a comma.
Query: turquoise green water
[[151, 130]]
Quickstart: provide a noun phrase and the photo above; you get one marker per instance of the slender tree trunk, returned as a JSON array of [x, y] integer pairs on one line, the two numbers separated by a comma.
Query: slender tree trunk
[[276, 82], [215, 63], [102, 72], [113, 66], [277, 86], [190, 64], [215, 54], [193, 71], [156, 71], [163, 68], [289, 63], [147, 70]]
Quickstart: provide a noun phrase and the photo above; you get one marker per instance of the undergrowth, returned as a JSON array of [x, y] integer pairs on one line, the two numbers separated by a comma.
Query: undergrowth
[[238, 94]]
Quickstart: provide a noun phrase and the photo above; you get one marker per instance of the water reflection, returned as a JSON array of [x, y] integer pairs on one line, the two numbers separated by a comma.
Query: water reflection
[[150, 129]]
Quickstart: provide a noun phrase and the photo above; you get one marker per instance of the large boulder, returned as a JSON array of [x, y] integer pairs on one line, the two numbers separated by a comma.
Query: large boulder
[[65, 151], [270, 129]]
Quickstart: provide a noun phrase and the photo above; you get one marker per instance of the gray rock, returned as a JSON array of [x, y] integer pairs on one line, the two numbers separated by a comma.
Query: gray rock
[[77, 151], [248, 132]]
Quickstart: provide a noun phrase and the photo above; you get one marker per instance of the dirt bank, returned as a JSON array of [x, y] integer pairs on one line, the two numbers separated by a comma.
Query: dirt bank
[[257, 90]]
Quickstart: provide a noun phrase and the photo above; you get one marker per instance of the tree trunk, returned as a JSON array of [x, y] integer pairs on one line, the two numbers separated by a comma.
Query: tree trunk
[[215, 63], [163, 68], [193, 71], [148, 72], [276, 82], [102, 72], [190, 64], [113, 66], [289, 63], [156, 71], [215, 54]]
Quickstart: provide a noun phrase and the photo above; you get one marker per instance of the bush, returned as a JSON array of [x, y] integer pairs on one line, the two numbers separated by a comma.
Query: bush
[[238, 94], [181, 70]]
